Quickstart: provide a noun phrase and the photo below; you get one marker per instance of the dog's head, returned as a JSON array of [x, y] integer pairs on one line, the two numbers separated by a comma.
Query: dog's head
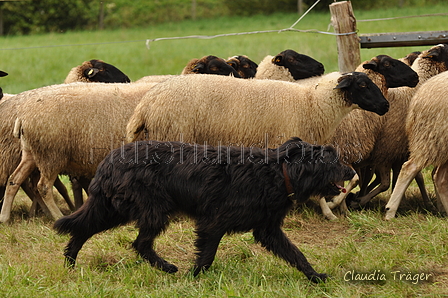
[[313, 169]]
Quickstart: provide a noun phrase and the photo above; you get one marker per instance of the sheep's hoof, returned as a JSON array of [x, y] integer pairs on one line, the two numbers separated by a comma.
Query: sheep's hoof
[[331, 217], [389, 215], [4, 219]]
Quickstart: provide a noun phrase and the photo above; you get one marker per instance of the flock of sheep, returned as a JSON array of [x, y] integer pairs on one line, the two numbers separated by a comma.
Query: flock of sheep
[[385, 118]]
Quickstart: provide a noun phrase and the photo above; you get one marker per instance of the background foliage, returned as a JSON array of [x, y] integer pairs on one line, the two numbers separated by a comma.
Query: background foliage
[[38, 16]]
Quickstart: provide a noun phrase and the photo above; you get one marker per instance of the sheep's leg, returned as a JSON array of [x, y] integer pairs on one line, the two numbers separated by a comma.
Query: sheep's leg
[[441, 184], [371, 186], [366, 175], [2, 194], [425, 197], [440, 207], [384, 173], [31, 192], [338, 199], [45, 187], [20, 174], [326, 211], [77, 192], [408, 172], [64, 193]]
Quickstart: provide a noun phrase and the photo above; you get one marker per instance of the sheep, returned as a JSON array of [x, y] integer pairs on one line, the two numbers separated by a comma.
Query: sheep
[[410, 58], [86, 121], [427, 137], [228, 111], [209, 65], [10, 154], [368, 171], [289, 66], [96, 71], [205, 65], [355, 136], [391, 147], [245, 67]]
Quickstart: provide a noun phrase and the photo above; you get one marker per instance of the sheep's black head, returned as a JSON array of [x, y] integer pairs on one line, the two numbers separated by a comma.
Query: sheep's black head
[[360, 90], [214, 65], [438, 53], [410, 58], [243, 65], [99, 71], [300, 66], [396, 73]]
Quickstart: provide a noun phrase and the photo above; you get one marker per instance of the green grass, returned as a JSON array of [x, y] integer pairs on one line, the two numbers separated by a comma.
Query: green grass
[[31, 260]]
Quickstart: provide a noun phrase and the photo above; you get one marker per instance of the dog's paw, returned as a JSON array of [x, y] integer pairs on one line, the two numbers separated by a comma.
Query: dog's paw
[[318, 278], [170, 268]]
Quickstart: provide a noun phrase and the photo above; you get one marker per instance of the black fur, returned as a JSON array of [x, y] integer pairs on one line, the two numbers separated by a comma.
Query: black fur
[[225, 189], [244, 66], [100, 71], [396, 73], [214, 65], [300, 66], [354, 85], [2, 74]]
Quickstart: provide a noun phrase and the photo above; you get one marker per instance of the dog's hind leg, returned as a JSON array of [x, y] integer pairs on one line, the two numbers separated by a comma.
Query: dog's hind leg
[[144, 245], [274, 240], [207, 243]]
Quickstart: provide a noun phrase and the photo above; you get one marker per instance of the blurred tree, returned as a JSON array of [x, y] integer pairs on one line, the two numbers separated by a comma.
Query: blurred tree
[[24, 17]]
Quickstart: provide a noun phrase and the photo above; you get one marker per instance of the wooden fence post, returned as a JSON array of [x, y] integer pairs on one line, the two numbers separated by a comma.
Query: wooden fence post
[[343, 21]]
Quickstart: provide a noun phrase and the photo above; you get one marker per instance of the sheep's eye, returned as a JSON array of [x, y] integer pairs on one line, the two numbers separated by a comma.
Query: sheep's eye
[[362, 85], [246, 66], [213, 68], [387, 64], [291, 60]]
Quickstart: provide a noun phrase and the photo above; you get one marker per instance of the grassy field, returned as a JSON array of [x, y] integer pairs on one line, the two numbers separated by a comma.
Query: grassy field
[[39, 60], [413, 246]]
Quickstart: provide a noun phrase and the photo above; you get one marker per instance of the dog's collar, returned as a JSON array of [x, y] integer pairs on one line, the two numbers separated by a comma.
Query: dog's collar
[[288, 184]]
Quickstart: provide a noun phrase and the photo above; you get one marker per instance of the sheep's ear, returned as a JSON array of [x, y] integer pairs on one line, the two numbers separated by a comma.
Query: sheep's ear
[[232, 63], [91, 72], [370, 65], [3, 74], [198, 67], [277, 59], [344, 83]]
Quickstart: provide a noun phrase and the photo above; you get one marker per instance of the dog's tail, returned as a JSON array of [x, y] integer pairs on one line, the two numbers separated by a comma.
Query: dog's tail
[[95, 215]]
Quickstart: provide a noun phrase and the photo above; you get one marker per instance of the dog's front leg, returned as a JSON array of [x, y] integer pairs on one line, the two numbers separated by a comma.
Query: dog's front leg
[[274, 240]]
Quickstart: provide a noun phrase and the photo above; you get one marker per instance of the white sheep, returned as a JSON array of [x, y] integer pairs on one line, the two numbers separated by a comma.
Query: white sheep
[[68, 129], [428, 139], [96, 71], [289, 66], [225, 110]]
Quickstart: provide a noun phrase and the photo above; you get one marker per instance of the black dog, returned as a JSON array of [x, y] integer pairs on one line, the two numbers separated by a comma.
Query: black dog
[[225, 189]]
